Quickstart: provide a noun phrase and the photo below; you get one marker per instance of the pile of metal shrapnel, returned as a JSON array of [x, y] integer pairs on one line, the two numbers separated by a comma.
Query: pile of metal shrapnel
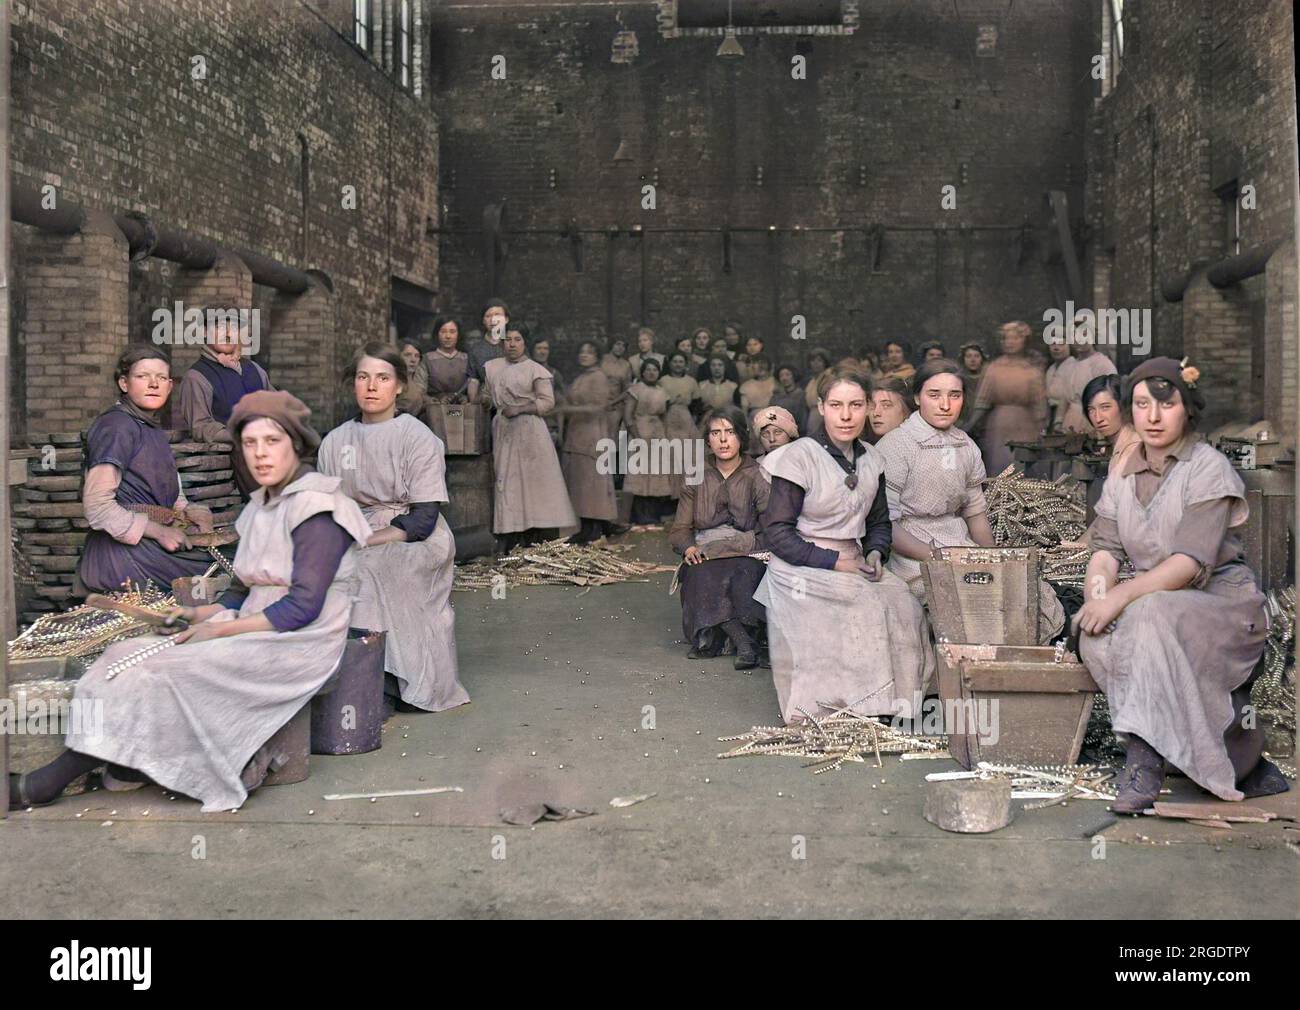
[[1273, 693], [87, 631], [831, 741], [1047, 514], [556, 563]]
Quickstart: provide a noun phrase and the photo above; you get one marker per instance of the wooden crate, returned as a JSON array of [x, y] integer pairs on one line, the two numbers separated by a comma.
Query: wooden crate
[[1039, 707], [983, 595], [463, 427]]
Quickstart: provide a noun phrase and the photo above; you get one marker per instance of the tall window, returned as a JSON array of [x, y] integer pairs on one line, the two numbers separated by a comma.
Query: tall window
[[361, 23], [404, 43]]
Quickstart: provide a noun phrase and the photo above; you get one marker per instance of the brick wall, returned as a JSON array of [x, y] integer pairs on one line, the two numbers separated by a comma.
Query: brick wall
[[1204, 97], [105, 109], [906, 98]]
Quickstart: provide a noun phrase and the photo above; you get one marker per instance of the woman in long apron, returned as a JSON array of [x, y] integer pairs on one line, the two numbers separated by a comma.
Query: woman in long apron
[[128, 466], [682, 390], [394, 467], [934, 478], [194, 715], [587, 474], [1011, 403], [715, 530], [531, 499], [644, 415], [1175, 648], [843, 631]]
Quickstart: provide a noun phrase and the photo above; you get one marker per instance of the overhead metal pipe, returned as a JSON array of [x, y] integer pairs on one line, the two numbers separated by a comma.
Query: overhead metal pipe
[[1222, 274], [144, 239]]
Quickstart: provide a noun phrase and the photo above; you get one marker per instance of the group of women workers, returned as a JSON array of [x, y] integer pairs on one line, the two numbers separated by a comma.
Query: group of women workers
[[357, 543], [360, 542]]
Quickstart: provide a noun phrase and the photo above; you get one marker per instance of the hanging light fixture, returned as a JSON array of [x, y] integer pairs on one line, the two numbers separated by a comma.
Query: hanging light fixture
[[730, 48]]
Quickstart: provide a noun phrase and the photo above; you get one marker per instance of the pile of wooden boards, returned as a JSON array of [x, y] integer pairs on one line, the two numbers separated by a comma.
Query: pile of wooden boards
[[50, 520]]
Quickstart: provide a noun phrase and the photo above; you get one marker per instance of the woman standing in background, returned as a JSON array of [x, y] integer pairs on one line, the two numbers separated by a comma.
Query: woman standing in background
[[1011, 405], [590, 490], [645, 415]]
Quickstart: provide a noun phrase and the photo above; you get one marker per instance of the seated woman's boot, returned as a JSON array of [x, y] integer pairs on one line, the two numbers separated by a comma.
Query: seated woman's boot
[[1141, 779], [746, 650], [1265, 779], [706, 644]]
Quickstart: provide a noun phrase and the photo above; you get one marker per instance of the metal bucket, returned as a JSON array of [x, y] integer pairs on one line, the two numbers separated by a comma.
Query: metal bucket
[[350, 719]]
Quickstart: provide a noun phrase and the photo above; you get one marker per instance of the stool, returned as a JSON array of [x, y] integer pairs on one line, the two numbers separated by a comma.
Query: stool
[[290, 750], [350, 718]]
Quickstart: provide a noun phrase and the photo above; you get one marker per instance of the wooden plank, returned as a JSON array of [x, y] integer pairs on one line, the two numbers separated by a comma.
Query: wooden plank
[[1214, 810], [1025, 678]]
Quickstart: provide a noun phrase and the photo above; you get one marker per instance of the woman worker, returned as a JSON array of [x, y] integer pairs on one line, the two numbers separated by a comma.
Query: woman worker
[[128, 466], [843, 631], [591, 486], [1011, 403], [715, 530], [394, 468], [531, 500], [645, 415], [1175, 647], [934, 477], [195, 716], [1101, 402]]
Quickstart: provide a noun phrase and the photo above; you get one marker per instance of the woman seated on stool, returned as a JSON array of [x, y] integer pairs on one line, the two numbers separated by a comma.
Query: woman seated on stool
[[129, 465], [843, 631], [394, 467], [934, 475], [194, 717], [715, 530], [1175, 648]]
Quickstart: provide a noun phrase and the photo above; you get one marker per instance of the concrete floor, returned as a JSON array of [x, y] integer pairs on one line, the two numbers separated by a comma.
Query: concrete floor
[[560, 682]]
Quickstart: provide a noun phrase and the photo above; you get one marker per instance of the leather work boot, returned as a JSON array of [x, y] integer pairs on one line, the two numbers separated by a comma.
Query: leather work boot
[[1141, 779]]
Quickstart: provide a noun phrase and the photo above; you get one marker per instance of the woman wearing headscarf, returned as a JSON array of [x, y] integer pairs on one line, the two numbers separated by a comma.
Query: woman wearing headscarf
[[773, 427], [589, 481], [1175, 648], [644, 415], [128, 467], [934, 480], [843, 631], [531, 500], [394, 468], [715, 530], [196, 714], [1011, 404]]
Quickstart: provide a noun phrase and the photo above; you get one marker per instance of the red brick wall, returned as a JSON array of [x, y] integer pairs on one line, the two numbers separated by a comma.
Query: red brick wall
[[106, 110], [906, 96], [1205, 95]]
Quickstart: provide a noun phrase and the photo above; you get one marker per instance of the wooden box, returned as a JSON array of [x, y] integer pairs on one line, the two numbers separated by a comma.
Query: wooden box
[[983, 595], [463, 427], [1013, 704]]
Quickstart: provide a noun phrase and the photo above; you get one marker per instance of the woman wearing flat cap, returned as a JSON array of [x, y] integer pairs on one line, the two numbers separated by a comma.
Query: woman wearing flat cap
[[195, 716], [1175, 647]]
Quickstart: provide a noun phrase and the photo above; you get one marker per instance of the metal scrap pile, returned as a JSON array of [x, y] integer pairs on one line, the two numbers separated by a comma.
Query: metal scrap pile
[[1047, 514], [88, 631], [831, 741], [1045, 784], [556, 563], [1273, 694]]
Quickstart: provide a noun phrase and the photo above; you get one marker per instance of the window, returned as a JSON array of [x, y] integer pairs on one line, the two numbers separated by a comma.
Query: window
[[1230, 195], [404, 43], [361, 23], [1112, 42]]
